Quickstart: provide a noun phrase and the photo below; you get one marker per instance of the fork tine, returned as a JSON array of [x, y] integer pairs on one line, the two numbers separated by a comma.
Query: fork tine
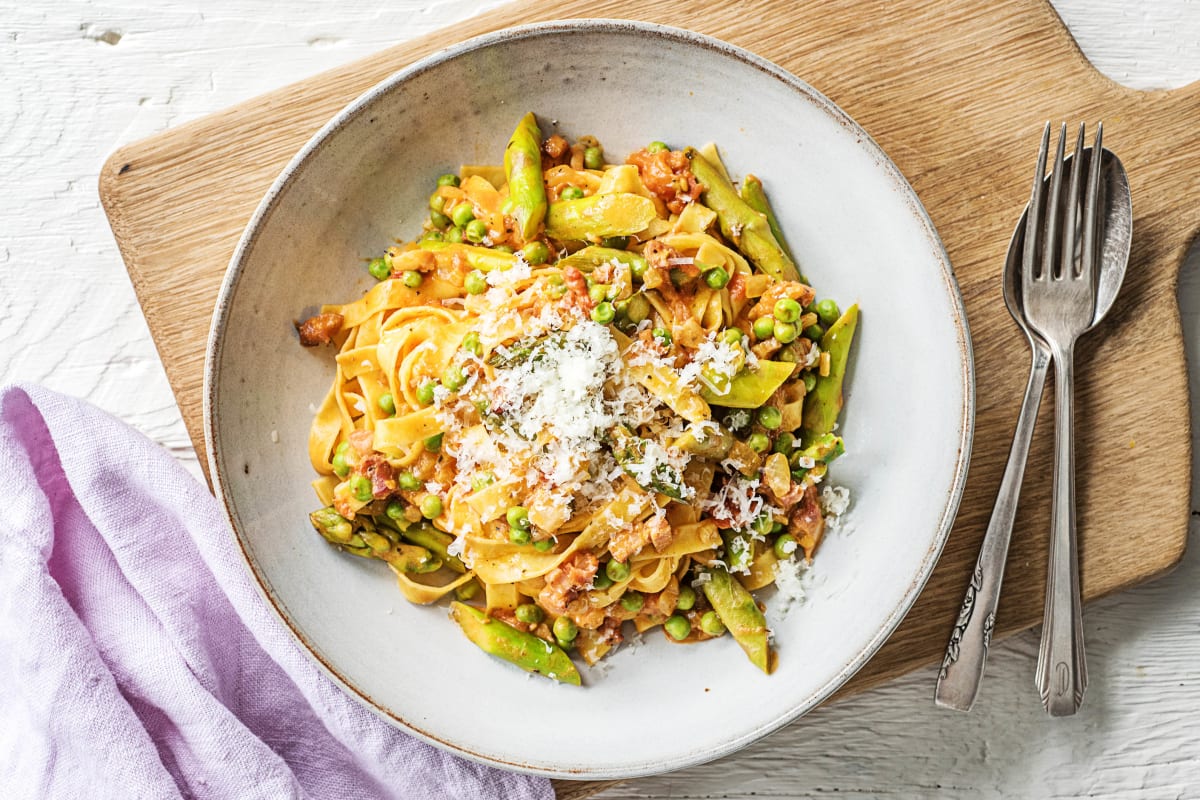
[[1091, 206], [1033, 218], [1052, 208], [1071, 211]]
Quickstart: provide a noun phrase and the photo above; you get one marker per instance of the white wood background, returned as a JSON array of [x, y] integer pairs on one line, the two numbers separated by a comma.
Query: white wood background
[[80, 77]]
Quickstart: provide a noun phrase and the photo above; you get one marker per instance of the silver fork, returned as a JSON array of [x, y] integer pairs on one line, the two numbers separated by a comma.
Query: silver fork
[[1059, 296]]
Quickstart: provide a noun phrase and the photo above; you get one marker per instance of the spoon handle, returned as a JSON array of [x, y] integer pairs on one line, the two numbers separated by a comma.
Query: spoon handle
[[1062, 668], [966, 653]]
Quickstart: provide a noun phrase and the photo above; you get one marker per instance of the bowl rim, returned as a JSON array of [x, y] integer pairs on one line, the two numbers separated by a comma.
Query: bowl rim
[[682, 36]]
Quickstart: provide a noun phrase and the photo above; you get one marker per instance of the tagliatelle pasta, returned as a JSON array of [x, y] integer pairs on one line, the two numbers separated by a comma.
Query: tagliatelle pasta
[[588, 394]]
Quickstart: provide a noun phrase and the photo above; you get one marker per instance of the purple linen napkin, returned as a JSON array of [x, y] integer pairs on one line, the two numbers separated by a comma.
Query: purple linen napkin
[[137, 660]]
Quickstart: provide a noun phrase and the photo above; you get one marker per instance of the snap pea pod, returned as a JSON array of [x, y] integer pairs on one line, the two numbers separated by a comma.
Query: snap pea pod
[[823, 404], [514, 646], [599, 216], [752, 192], [523, 169], [630, 453], [740, 223], [751, 389], [740, 614], [589, 258]]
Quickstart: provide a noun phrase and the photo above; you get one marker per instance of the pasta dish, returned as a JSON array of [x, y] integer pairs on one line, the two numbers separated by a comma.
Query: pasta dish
[[589, 394]]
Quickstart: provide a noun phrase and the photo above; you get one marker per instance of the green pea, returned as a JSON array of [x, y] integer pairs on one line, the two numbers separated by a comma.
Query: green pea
[[810, 381], [632, 601], [535, 253], [360, 487], [571, 193], [678, 627], [637, 308], [777, 527], [432, 236], [395, 511], [431, 506], [732, 336], [475, 282], [603, 313], [762, 524], [433, 443], [787, 310], [764, 328], [759, 442], [716, 278], [453, 377], [387, 403], [425, 392], [342, 448], [379, 269], [615, 242], [616, 570], [784, 443], [449, 179], [544, 545], [340, 467], [678, 277], [528, 613], [711, 624], [814, 332], [662, 336], [504, 248], [785, 546], [462, 214], [454, 235], [437, 203], [471, 344], [598, 292], [593, 158], [518, 517], [687, 598], [439, 220], [482, 480], [657, 147], [638, 268], [784, 332], [408, 482], [601, 581], [476, 231], [565, 629], [412, 278], [770, 417]]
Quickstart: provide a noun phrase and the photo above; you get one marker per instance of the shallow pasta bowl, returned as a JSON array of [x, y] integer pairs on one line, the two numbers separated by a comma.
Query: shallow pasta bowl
[[861, 236]]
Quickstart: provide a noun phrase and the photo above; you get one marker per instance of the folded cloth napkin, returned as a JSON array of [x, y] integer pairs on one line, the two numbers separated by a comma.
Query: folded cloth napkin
[[137, 660]]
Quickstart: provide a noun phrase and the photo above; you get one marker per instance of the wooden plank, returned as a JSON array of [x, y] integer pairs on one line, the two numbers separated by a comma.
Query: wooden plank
[[956, 93]]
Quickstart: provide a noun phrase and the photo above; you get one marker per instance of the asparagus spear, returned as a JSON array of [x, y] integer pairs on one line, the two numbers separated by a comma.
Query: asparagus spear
[[823, 447], [523, 168], [711, 441], [436, 542], [599, 215], [589, 258], [824, 403], [738, 611], [368, 542], [751, 389], [517, 647], [741, 224], [752, 192]]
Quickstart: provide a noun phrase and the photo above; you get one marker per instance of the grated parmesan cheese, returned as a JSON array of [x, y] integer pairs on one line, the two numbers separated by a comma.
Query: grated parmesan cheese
[[791, 583]]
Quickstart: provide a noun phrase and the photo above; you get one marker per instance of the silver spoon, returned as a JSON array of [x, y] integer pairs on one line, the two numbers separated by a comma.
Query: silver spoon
[[966, 654]]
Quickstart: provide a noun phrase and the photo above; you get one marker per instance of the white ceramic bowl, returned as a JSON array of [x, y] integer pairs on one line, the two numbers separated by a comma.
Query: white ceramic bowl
[[860, 234]]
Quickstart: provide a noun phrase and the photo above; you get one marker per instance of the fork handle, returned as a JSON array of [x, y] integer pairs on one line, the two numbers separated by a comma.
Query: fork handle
[[967, 651], [1062, 669]]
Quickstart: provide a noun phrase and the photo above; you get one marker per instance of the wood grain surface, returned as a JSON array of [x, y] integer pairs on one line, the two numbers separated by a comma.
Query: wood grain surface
[[956, 93]]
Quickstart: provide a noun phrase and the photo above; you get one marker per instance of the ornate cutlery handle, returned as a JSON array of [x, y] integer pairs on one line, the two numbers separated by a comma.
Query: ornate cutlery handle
[[966, 653]]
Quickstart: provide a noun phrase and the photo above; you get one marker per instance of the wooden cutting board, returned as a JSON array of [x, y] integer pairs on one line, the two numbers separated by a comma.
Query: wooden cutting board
[[956, 92]]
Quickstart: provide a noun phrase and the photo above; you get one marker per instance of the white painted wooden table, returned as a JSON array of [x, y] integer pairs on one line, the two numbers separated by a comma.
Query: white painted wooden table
[[80, 77]]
